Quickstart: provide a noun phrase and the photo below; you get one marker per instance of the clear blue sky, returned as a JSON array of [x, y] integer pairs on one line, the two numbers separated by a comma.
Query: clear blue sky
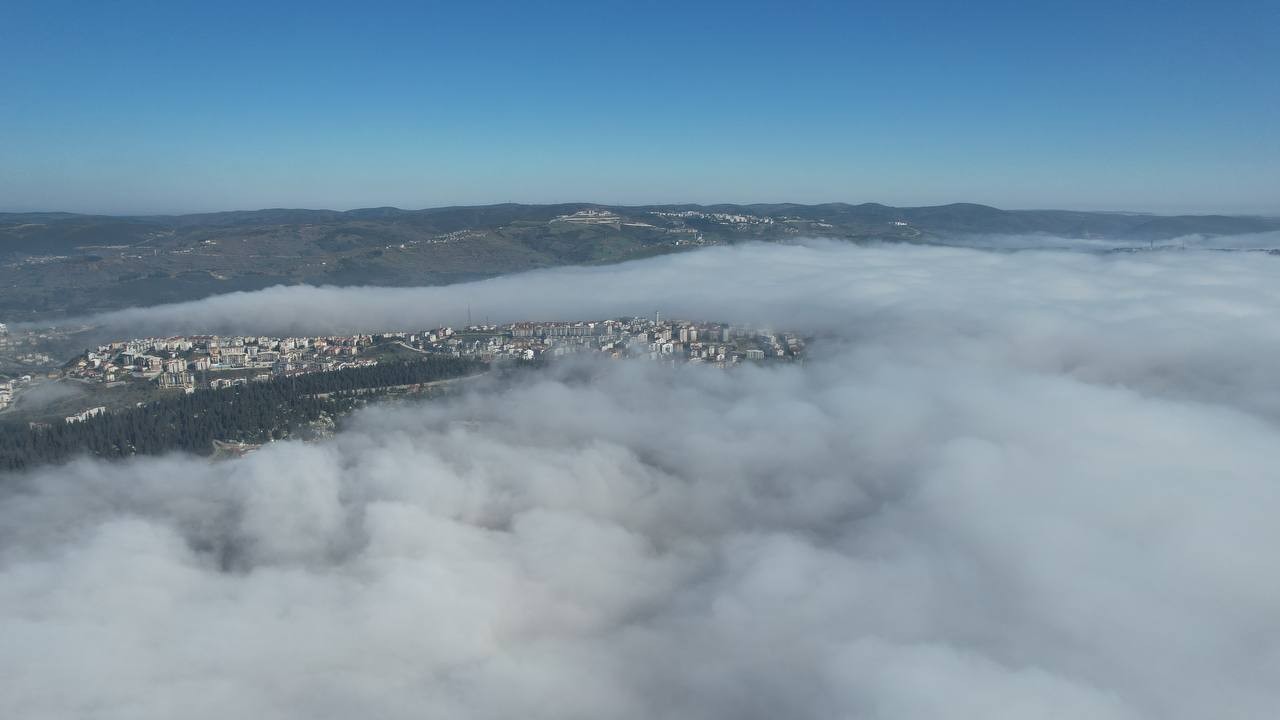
[[172, 107]]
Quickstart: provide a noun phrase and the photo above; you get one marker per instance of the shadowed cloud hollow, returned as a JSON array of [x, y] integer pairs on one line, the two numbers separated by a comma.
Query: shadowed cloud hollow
[[1005, 485]]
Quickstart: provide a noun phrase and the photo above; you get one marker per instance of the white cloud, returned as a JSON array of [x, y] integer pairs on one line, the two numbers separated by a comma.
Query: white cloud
[[1005, 485]]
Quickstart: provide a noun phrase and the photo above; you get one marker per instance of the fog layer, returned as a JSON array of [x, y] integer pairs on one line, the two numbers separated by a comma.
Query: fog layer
[[1003, 486], [809, 285]]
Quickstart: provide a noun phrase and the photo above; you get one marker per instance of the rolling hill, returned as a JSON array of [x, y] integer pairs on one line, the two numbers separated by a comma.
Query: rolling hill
[[56, 264]]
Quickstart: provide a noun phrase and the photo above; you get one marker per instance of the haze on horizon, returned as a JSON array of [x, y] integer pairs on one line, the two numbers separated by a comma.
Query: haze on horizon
[[1168, 211], [183, 108]]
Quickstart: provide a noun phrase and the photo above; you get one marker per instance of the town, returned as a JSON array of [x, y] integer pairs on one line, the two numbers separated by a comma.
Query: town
[[21, 361], [187, 362]]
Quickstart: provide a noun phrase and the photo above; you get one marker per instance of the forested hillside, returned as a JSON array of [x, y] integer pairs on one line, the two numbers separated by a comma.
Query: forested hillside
[[256, 412]]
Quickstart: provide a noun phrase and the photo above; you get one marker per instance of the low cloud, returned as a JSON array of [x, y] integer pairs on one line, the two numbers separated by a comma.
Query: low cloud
[[1243, 241], [1004, 485], [44, 394], [809, 284], [1183, 324]]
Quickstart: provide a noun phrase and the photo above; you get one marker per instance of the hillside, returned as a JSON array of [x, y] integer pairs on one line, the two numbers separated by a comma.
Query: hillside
[[57, 264]]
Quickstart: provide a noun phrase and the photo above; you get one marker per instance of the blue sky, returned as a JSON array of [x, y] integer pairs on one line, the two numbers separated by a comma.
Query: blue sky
[[176, 107]]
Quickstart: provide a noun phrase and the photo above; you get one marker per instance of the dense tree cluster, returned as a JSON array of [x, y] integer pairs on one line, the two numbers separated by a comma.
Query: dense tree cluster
[[254, 412]]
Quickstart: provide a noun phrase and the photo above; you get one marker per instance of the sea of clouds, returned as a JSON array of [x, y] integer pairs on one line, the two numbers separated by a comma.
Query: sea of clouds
[[1005, 484]]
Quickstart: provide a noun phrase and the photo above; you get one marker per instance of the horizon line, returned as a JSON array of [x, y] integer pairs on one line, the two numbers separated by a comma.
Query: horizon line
[[143, 214]]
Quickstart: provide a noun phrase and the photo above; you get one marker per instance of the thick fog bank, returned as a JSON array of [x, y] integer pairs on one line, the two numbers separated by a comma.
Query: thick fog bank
[[1191, 325], [1004, 485], [809, 285], [1243, 241]]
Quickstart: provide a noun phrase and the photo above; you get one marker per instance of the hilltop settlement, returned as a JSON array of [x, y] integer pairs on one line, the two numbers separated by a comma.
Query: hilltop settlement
[[229, 394], [188, 362]]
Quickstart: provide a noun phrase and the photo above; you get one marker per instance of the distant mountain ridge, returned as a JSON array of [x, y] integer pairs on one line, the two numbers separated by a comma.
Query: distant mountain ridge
[[951, 218], [55, 263]]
